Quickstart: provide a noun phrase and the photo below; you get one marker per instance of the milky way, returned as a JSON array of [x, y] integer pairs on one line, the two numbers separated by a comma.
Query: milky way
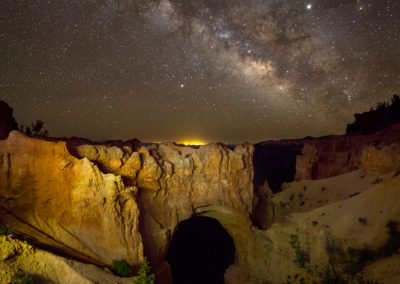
[[224, 71]]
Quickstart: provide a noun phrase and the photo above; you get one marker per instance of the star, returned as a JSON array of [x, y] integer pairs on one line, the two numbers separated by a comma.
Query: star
[[275, 60]]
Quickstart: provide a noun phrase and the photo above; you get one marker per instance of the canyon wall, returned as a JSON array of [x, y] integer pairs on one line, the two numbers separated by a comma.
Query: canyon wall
[[331, 156], [102, 202], [276, 162]]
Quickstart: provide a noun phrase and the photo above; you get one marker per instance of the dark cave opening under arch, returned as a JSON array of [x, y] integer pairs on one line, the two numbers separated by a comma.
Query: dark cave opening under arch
[[200, 251]]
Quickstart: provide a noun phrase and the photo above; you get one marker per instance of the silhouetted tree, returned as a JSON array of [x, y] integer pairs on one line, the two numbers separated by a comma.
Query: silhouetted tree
[[396, 100], [385, 105], [384, 115], [37, 127], [28, 131]]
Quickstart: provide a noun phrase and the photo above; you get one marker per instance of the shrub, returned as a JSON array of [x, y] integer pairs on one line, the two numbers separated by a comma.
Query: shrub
[[283, 204], [352, 265], [121, 267], [327, 277], [5, 231], [302, 257], [357, 259], [21, 277], [144, 276], [363, 220], [377, 180], [392, 245]]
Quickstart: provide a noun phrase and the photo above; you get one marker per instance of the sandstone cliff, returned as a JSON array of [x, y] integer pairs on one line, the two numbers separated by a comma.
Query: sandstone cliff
[[331, 156]]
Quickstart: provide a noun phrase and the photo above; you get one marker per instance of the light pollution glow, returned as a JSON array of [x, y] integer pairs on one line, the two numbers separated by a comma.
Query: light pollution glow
[[187, 142], [192, 142]]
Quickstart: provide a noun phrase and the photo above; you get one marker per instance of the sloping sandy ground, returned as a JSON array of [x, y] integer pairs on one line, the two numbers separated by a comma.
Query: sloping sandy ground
[[324, 233], [306, 195]]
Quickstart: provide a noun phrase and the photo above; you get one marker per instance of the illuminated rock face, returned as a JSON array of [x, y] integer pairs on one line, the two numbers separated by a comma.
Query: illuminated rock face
[[66, 202]]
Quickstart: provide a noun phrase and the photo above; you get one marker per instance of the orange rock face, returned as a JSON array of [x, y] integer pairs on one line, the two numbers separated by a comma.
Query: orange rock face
[[67, 203]]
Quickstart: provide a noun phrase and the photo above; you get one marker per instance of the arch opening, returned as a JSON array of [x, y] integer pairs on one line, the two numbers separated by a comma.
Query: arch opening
[[200, 251]]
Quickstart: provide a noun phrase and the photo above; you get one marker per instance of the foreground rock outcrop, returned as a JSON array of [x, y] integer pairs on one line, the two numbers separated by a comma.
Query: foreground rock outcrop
[[17, 256]]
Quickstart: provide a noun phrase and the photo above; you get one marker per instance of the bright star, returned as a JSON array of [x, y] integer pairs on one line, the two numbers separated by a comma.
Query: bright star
[[309, 6], [182, 85]]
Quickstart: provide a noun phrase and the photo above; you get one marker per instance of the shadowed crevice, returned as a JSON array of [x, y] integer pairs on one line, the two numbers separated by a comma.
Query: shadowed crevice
[[274, 163], [200, 251]]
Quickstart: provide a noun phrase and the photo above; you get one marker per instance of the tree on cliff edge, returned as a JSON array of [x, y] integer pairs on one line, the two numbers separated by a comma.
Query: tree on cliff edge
[[35, 129], [384, 115]]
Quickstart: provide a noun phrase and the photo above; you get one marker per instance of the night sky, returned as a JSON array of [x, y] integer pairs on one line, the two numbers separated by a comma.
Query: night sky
[[227, 71]]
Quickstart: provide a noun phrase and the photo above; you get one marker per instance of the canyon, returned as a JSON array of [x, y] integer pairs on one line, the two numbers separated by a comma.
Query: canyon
[[83, 204]]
